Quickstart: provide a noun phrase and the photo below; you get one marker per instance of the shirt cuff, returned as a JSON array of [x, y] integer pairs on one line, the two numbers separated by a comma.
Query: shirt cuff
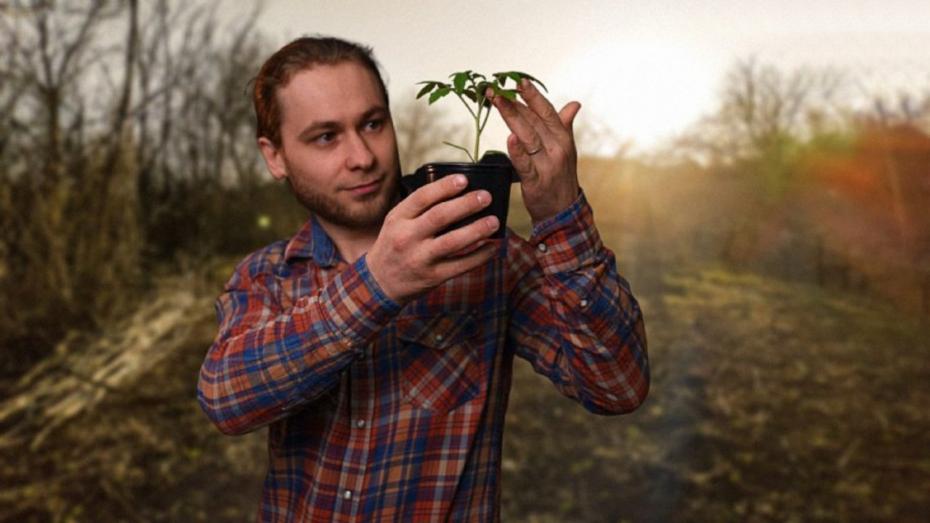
[[357, 306], [569, 240]]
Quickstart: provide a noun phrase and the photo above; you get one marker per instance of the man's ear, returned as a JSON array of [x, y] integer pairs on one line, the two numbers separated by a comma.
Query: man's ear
[[274, 158]]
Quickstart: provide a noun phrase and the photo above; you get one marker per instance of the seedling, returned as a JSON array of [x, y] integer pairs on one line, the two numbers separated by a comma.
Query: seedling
[[470, 87]]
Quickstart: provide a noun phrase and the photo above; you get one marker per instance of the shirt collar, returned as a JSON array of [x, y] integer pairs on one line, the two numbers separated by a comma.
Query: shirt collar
[[311, 241]]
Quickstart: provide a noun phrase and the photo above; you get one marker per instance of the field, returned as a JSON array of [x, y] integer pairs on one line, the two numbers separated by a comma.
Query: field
[[770, 402]]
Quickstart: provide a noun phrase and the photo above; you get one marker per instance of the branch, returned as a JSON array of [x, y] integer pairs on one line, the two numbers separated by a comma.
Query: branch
[[80, 40], [459, 147]]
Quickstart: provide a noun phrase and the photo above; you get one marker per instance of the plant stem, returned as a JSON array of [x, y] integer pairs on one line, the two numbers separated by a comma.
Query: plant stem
[[467, 106], [477, 134], [478, 127], [459, 147]]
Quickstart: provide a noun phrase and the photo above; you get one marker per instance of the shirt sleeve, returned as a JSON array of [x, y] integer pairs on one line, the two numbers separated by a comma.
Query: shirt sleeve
[[265, 360], [573, 317]]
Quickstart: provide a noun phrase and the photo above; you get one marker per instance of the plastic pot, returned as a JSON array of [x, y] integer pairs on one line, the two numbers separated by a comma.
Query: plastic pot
[[494, 173]]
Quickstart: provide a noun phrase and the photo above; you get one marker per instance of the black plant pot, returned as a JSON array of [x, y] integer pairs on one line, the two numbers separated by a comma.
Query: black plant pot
[[494, 173]]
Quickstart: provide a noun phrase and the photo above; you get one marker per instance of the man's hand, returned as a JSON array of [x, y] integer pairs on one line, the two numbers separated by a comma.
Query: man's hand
[[408, 258], [542, 149]]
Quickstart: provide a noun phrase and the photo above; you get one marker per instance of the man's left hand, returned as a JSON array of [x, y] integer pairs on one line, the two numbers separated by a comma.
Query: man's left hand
[[542, 149]]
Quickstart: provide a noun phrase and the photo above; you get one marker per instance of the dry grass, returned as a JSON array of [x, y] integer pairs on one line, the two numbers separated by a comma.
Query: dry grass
[[770, 402]]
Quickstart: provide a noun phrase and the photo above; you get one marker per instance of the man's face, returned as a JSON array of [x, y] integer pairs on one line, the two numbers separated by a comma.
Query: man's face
[[338, 149]]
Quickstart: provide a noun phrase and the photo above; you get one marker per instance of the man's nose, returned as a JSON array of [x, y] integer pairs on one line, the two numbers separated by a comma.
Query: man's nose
[[359, 154]]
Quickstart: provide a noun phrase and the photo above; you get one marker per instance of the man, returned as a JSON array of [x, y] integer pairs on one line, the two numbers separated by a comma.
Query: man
[[379, 351]]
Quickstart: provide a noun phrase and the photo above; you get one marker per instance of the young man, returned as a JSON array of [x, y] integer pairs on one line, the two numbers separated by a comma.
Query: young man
[[379, 351]]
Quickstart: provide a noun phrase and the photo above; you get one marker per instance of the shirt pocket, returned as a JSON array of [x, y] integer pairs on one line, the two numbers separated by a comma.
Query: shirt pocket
[[441, 367]]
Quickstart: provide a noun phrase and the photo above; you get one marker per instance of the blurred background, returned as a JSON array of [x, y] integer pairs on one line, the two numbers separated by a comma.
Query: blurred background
[[760, 169]]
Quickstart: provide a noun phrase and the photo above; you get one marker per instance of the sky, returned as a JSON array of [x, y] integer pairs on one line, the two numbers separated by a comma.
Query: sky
[[643, 69]]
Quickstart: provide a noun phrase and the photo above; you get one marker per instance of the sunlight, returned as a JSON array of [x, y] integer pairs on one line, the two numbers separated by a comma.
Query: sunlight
[[646, 90]]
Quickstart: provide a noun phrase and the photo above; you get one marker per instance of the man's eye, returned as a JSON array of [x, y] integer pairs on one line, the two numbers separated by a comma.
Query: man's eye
[[374, 125], [325, 138]]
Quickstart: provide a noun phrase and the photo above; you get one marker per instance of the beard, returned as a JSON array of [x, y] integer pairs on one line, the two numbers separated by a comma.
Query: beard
[[368, 213]]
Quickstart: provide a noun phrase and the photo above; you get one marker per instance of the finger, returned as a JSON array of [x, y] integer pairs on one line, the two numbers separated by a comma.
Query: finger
[[519, 158], [430, 194], [448, 212], [463, 239], [453, 267], [540, 105], [546, 134], [517, 122], [469, 249], [567, 116]]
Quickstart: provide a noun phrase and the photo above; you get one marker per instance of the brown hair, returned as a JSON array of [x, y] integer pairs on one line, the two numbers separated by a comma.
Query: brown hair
[[303, 53]]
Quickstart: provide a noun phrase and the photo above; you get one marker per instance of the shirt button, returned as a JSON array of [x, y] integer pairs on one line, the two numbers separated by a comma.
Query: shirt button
[[347, 495], [583, 303], [360, 423], [542, 247], [439, 337]]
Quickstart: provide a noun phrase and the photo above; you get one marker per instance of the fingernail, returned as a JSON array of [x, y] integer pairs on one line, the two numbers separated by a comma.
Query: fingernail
[[492, 223], [484, 197], [459, 180]]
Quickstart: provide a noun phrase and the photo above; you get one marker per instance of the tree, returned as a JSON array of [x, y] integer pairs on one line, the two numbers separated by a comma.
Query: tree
[[763, 112], [115, 137]]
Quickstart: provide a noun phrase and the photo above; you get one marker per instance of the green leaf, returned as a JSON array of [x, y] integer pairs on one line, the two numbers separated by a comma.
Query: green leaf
[[517, 76], [510, 94], [471, 95], [439, 93], [459, 81], [427, 88]]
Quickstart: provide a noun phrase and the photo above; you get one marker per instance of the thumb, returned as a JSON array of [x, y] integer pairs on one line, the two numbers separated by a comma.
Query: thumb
[[568, 113]]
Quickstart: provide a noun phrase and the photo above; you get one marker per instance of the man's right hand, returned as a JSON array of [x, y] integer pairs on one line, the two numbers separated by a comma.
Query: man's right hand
[[408, 258]]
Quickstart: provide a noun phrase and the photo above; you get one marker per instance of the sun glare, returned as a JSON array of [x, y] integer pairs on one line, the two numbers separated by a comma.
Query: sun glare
[[645, 90]]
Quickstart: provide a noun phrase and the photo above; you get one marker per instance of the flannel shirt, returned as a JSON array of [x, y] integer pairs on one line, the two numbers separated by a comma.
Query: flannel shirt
[[378, 412]]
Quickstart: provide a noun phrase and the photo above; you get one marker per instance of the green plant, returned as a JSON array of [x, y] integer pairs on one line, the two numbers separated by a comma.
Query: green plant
[[472, 86]]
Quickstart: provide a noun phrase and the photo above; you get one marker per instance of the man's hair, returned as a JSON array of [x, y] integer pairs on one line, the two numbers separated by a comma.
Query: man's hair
[[301, 54]]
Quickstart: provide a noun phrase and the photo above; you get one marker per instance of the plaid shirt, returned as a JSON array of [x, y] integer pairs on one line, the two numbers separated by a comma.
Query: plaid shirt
[[385, 413]]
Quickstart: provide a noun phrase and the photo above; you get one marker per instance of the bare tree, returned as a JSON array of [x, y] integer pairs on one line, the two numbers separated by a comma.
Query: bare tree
[[115, 137], [48, 158], [905, 107], [762, 109]]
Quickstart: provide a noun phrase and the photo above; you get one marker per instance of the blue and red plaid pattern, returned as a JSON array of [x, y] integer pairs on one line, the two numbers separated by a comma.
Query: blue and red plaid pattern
[[378, 412]]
